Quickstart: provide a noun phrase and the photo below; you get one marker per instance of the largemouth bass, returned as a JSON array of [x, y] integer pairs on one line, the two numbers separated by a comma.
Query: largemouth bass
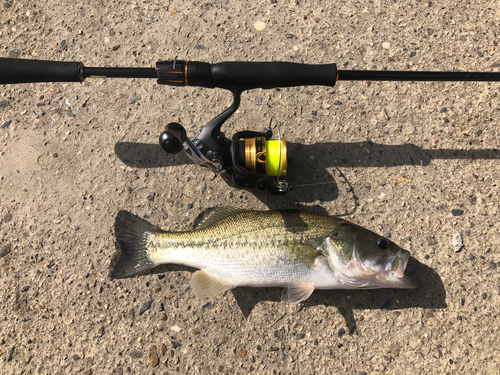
[[297, 250]]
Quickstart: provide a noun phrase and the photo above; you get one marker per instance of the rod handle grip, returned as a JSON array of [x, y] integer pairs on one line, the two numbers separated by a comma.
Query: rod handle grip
[[25, 71], [268, 75]]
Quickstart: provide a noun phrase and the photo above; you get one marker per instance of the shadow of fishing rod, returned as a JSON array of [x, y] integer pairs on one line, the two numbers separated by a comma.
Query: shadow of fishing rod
[[308, 164]]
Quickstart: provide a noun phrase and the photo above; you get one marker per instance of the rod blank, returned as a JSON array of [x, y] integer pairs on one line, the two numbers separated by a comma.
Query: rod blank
[[119, 72], [382, 75]]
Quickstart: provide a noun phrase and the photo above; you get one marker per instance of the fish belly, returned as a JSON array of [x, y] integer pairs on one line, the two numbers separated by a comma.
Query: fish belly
[[251, 264]]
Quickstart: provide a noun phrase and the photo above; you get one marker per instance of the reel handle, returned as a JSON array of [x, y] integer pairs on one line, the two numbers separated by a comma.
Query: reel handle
[[173, 138]]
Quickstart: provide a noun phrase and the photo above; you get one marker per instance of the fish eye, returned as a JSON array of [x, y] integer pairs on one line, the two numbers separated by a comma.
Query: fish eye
[[382, 243]]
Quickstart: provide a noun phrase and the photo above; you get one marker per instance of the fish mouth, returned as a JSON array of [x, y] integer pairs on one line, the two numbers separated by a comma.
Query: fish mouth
[[359, 274], [397, 279]]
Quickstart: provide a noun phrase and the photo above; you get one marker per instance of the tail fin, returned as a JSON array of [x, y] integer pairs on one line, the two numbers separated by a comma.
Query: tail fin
[[132, 234]]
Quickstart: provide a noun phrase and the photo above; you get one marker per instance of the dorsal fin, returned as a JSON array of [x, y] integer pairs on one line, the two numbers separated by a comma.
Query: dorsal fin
[[213, 215]]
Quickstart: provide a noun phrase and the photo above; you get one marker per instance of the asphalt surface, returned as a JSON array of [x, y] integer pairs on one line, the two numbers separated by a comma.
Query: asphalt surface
[[414, 161]]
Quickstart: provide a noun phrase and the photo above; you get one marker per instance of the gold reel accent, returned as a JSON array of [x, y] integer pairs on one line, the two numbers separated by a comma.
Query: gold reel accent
[[264, 156]]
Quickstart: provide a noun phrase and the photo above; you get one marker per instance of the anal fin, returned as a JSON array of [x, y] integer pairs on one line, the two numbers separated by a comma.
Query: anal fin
[[296, 292], [205, 285]]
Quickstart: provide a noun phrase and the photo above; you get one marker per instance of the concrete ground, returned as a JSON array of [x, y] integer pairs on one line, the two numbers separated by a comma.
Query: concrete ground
[[414, 161]]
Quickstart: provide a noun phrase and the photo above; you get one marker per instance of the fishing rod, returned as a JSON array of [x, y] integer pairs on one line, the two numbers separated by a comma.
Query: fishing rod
[[250, 158]]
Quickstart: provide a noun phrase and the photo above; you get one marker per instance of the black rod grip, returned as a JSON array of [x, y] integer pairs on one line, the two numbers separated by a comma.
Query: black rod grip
[[24, 71], [268, 75]]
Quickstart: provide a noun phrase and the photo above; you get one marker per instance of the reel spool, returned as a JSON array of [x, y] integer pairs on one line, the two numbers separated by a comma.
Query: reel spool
[[264, 156], [259, 161]]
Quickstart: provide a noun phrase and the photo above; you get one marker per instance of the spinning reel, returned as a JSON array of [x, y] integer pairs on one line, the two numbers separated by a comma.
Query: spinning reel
[[250, 158]]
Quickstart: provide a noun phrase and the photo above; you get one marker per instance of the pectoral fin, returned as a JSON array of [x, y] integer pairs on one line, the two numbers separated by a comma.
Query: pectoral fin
[[296, 292], [205, 285]]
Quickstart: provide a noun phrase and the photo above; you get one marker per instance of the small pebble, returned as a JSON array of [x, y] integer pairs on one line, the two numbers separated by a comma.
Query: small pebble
[[11, 354], [241, 352], [457, 212], [134, 98], [4, 124], [153, 356], [456, 243], [4, 251], [386, 45], [175, 343], [341, 332], [136, 354], [259, 25], [163, 349], [145, 306], [175, 328]]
